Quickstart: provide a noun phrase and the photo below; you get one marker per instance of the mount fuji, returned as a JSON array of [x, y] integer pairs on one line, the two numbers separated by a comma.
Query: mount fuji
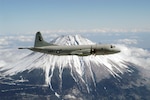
[[41, 76]]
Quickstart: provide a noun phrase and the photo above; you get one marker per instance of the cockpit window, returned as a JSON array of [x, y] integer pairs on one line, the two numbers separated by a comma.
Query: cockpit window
[[112, 46]]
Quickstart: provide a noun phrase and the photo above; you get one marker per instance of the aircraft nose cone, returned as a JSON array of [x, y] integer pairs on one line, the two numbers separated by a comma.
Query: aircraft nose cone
[[117, 50]]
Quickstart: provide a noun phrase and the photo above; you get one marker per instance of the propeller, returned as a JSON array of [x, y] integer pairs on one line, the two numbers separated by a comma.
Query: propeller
[[93, 51]]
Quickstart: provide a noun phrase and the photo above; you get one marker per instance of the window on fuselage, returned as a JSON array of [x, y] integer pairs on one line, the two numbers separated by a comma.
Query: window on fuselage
[[112, 46]]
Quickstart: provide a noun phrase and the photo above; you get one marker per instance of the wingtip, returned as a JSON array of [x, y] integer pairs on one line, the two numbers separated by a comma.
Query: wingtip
[[20, 48]]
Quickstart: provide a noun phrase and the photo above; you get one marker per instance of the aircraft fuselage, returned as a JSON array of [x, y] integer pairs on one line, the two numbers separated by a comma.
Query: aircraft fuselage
[[80, 50]]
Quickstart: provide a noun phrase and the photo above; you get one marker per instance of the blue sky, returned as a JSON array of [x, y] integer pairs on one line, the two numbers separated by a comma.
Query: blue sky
[[75, 16]]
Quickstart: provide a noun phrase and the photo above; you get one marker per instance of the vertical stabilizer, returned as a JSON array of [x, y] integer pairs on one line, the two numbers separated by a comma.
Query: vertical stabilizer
[[39, 42]]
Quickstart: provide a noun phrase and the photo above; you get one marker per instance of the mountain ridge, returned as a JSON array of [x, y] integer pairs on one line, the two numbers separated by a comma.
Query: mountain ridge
[[72, 76]]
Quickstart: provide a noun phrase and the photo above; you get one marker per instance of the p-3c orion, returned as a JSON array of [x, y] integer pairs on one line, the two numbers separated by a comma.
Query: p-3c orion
[[62, 50]]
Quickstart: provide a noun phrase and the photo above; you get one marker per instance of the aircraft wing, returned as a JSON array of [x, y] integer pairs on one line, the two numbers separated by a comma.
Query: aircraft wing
[[76, 53], [83, 52]]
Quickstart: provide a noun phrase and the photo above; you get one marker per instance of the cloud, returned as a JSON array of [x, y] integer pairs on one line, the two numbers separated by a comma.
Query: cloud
[[3, 41], [24, 38], [97, 30], [127, 41], [97, 34], [15, 40], [2, 63], [138, 56], [9, 56]]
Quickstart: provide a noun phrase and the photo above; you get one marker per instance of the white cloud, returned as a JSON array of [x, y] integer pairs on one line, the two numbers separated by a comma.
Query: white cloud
[[136, 55], [128, 41], [21, 38], [15, 40], [8, 56], [97, 30], [3, 41], [25, 38], [2, 63], [139, 57]]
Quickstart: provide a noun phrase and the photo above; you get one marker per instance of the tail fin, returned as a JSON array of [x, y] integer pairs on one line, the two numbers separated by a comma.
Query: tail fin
[[39, 42]]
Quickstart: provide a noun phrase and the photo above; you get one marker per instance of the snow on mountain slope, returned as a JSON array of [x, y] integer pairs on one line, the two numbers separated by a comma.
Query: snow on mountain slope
[[90, 69]]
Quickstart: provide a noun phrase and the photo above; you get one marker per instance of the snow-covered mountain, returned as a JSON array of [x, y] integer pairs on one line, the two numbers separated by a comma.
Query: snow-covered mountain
[[74, 77]]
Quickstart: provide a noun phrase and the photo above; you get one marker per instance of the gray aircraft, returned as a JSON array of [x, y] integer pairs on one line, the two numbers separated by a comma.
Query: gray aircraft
[[80, 50]]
